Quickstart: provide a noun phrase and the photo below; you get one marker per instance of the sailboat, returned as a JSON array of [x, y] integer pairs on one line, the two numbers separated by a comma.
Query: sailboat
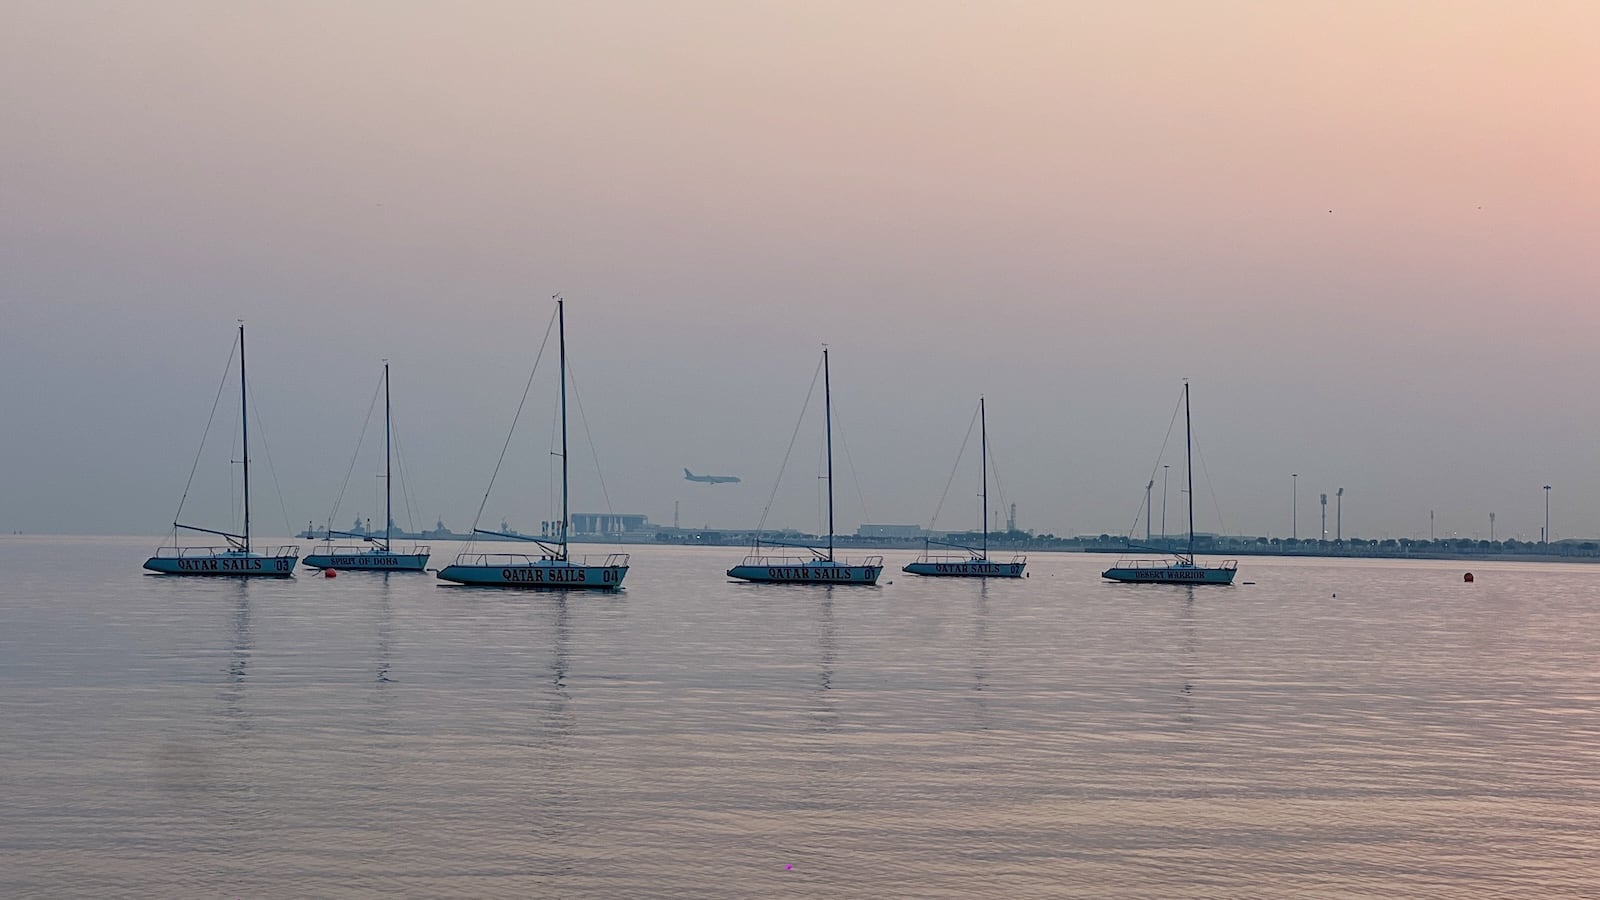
[[821, 567], [974, 562], [553, 568], [380, 557], [239, 558], [1182, 570]]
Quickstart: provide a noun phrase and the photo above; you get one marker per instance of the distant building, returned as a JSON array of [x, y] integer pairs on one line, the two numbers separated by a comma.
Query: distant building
[[609, 523], [891, 531]]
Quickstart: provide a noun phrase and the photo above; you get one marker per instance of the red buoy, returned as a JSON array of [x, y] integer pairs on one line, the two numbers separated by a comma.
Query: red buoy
[[1467, 578], [329, 573]]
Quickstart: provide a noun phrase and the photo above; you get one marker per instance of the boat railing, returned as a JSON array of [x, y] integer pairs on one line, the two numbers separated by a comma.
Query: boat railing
[[774, 561], [1168, 563], [508, 560], [1146, 563], [357, 550], [197, 552], [949, 559], [806, 561]]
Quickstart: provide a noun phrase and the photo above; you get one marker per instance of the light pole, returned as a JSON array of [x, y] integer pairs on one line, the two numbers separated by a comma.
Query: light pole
[[1547, 514], [1323, 538], [1294, 505], [1491, 528], [1430, 524], [1338, 517], [1147, 510]]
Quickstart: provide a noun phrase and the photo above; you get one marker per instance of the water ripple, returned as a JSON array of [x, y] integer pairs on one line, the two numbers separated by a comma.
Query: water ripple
[[1338, 729]]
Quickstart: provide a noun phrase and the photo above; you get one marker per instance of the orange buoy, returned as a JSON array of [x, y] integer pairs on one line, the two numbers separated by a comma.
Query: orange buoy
[[329, 573], [1467, 578]]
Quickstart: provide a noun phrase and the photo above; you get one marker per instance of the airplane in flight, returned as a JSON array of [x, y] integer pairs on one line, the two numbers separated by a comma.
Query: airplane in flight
[[710, 479]]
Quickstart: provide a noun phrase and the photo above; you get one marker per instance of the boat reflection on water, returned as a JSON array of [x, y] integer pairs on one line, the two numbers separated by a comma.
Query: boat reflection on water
[[825, 714]]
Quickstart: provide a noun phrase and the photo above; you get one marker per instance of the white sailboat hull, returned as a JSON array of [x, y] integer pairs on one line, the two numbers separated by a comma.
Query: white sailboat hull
[[973, 568], [1171, 573], [368, 560], [802, 571], [517, 571], [225, 563]]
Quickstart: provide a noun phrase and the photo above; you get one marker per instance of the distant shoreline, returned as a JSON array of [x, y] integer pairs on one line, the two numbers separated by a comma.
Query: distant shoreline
[[1345, 554], [1571, 551]]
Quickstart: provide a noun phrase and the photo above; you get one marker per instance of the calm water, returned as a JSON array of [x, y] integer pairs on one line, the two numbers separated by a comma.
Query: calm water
[[1339, 728]]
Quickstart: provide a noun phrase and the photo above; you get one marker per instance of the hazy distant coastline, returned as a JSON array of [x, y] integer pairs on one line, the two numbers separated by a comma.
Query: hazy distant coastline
[[1570, 550], [1355, 548]]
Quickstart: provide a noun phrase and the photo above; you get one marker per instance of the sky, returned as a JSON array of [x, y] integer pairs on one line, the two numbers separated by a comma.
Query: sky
[[1364, 231]]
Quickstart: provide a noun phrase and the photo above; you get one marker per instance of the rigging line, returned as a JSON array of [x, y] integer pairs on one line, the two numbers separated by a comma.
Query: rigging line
[[234, 455], [822, 492], [953, 468], [399, 468], [365, 423], [572, 376], [792, 438], [405, 481], [1211, 486], [999, 487], [520, 403], [1171, 423], [855, 477], [266, 451], [227, 367], [552, 509]]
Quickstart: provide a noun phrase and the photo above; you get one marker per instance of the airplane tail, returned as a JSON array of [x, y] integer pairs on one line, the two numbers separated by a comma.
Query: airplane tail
[[687, 473]]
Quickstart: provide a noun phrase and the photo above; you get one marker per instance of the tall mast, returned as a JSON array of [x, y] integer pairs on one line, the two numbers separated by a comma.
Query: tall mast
[[388, 466], [561, 319], [244, 419], [983, 431], [1188, 460], [827, 409]]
